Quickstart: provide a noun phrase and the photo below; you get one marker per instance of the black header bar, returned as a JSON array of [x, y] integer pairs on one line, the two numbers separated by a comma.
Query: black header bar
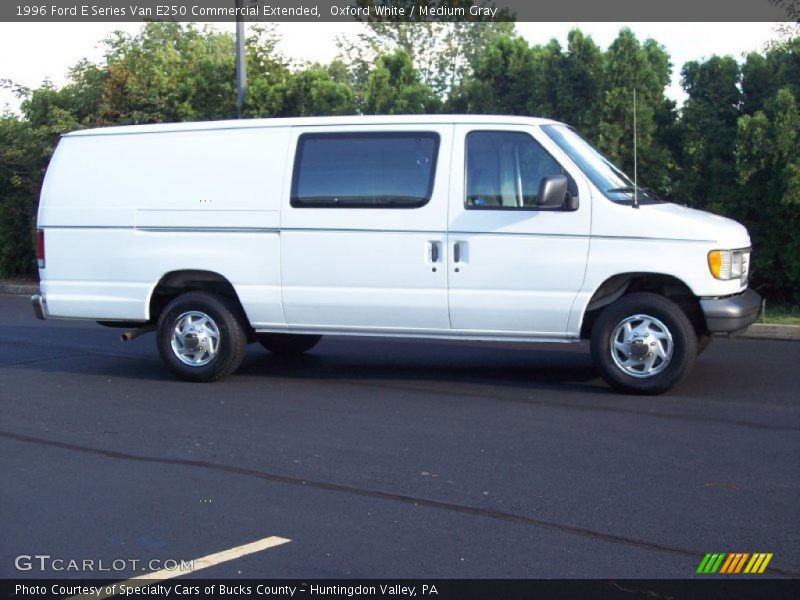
[[186, 588], [40, 11]]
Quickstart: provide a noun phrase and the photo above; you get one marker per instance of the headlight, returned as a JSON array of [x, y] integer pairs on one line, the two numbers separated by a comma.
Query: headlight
[[729, 264]]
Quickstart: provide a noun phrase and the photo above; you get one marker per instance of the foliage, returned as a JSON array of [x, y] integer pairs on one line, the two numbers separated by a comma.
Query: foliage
[[644, 68], [313, 91], [443, 52], [394, 87], [739, 155], [24, 152], [584, 87], [781, 315], [768, 163], [708, 132], [503, 80]]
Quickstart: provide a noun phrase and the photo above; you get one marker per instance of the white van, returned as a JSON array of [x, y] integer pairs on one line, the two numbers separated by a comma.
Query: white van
[[460, 227]]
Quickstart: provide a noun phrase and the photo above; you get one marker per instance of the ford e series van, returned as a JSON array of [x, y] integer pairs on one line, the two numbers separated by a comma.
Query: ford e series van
[[280, 231]]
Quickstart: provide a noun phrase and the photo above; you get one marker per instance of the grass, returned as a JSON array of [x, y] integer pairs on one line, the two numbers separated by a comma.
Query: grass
[[19, 279], [781, 315]]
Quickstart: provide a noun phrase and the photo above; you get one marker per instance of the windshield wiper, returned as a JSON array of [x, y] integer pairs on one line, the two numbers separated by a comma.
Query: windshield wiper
[[629, 189]]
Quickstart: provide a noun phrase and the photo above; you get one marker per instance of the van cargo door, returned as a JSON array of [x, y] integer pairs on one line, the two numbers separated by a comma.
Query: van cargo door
[[363, 229]]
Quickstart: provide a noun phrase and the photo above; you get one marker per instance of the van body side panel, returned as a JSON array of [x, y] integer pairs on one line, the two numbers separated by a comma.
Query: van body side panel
[[519, 271], [660, 239], [120, 211], [368, 268], [116, 284], [123, 206]]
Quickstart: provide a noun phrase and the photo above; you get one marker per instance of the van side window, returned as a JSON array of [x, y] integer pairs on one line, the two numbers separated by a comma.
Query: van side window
[[504, 169], [364, 170]]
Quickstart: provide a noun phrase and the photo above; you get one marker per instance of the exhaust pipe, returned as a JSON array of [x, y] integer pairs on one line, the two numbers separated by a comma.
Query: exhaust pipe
[[134, 333]]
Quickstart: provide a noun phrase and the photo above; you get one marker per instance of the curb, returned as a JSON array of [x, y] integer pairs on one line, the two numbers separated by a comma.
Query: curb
[[764, 331], [18, 289], [756, 331]]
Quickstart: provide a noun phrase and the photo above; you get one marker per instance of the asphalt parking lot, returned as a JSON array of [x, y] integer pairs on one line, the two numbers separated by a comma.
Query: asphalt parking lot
[[395, 459]]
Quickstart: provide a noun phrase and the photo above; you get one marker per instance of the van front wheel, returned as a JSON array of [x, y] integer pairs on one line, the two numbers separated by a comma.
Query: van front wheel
[[200, 337], [643, 344]]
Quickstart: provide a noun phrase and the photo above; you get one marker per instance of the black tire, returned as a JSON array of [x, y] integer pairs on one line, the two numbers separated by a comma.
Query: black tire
[[288, 344], [231, 335], [665, 373], [704, 339]]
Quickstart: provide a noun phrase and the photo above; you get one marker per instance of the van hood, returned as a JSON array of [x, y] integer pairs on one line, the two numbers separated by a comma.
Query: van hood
[[681, 222]]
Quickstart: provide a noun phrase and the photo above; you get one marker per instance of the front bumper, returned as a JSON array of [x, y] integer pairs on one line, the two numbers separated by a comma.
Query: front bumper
[[734, 313], [39, 307]]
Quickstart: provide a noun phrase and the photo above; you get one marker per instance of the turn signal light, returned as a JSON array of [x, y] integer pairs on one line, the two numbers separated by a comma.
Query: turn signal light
[[729, 264]]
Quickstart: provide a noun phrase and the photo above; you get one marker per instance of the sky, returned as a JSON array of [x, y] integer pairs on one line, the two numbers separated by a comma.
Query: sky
[[33, 52]]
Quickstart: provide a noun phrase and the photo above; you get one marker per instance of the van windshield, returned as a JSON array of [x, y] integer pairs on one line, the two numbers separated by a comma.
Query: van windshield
[[605, 175]]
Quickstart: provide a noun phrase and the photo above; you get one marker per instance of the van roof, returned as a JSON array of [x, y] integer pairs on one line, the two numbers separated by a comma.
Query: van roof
[[315, 122]]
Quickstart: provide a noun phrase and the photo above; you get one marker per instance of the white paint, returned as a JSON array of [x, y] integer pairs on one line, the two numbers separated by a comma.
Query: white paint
[[197, 564], [519, 271], [121, 207], [367, 268]]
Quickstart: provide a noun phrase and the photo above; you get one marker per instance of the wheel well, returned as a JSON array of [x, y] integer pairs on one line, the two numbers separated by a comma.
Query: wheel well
[[629, 283], [175, 283]]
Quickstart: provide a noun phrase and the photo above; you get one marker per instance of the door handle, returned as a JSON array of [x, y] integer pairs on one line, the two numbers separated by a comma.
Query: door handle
[[456, 251], [434, 251]]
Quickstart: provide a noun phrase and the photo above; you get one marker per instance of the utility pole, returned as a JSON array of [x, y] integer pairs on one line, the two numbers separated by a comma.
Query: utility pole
[[241, 61]]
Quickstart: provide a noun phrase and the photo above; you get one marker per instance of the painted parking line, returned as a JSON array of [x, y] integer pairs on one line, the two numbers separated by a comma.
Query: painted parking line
[[195, 565]]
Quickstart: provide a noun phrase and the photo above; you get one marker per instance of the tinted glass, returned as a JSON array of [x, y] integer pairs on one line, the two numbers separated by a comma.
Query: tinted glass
[[603, 173], [504, 170], [369, 170]]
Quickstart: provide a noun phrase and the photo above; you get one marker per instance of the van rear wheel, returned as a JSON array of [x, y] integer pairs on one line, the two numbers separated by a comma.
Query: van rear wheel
[[288, 344], [200, 338], [643, 344]]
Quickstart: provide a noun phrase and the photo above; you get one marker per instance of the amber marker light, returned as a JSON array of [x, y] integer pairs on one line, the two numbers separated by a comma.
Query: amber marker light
[[715, 263]]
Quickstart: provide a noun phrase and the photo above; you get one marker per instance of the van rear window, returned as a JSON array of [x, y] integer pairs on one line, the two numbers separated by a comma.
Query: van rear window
[[364, 170]]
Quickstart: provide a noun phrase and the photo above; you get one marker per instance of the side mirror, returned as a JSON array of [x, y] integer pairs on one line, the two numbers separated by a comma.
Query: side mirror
[[552, 192]]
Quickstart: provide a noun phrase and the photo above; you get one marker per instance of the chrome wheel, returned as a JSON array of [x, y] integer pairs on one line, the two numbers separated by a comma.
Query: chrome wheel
[[195, 338], [641, 346]]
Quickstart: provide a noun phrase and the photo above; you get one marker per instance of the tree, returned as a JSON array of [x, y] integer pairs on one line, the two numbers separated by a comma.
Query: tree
[[394, 87], [24, 152], [314, 91], [768, 162], [644, 67], [267, 72], [584, 87], [581, 91], [443, 52], [709, 131], [168, 72], [502, 81], [763, 75]]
